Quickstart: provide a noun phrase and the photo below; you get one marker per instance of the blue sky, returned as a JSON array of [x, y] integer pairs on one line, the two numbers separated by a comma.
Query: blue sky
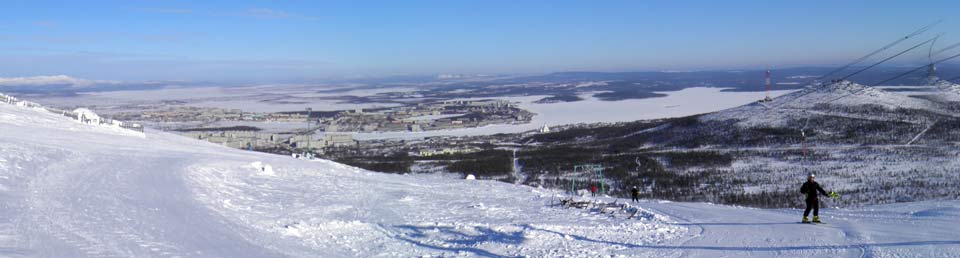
[[295, 40]]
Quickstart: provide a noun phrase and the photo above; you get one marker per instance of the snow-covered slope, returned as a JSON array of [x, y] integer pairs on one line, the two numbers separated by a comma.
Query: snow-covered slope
[[846, 93], [75, 190], [832, 99], [934, 89], [949, 91]]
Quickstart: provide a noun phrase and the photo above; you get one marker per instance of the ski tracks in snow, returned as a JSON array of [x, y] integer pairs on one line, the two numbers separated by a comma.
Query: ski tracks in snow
[[77, 203], [108, 205], [926, 229], [746, 232]]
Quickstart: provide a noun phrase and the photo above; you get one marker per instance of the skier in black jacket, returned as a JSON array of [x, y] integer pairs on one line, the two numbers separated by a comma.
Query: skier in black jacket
[[635, 193], [810, 188]]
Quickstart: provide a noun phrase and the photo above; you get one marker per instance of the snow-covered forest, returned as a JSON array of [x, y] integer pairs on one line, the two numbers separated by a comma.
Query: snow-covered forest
[[870, 145]]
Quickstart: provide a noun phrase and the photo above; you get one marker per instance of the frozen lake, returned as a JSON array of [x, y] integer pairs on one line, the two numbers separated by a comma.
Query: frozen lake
[[685, 102], [271, 98]]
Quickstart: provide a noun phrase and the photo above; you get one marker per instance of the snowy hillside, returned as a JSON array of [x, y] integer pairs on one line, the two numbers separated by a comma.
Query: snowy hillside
[[951, 90], [846, 93], [828, 99], [77, 190]]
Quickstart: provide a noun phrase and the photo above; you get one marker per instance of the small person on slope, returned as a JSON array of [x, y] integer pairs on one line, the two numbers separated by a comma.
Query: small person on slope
[[810, 189]]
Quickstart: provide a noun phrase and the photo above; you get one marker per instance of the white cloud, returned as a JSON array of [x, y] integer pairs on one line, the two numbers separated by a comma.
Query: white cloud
[[50, 80]]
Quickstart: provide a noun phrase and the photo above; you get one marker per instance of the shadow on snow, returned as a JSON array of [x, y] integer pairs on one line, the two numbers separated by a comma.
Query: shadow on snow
[[455, 240], [446, 238], [764, 248]]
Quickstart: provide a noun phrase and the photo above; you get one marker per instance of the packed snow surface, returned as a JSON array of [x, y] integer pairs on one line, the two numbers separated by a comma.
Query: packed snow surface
[[75, 190]]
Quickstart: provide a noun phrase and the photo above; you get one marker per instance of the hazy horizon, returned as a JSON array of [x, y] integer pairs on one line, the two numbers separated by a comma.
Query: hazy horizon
[[265, 41]]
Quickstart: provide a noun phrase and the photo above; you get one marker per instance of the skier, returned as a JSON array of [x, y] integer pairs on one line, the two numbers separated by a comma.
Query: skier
[[636, 194], [593, 190], [810, 188]]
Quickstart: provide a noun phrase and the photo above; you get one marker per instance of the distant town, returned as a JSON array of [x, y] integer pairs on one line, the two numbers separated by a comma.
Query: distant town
[[331, 131], [445, 115]]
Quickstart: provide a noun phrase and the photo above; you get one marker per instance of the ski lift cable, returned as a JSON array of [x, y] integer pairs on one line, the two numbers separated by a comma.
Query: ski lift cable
[[858, 60], [916, 69], [891, 57], [930, 50], [915, 33], [810, 90], [878, 63], [803, 142], [807, 121], [894, 78], [955, 45], [806, 124], [804, 111]]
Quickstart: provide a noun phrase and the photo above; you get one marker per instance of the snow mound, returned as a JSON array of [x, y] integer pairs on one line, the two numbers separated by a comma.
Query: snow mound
[[40, 118], [263, 169]]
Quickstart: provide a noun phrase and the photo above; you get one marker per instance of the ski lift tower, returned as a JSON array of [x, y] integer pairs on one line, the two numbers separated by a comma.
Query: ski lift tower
[[516, 167], [769, 87], [591, 172], [932, 78], [645, 180]]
